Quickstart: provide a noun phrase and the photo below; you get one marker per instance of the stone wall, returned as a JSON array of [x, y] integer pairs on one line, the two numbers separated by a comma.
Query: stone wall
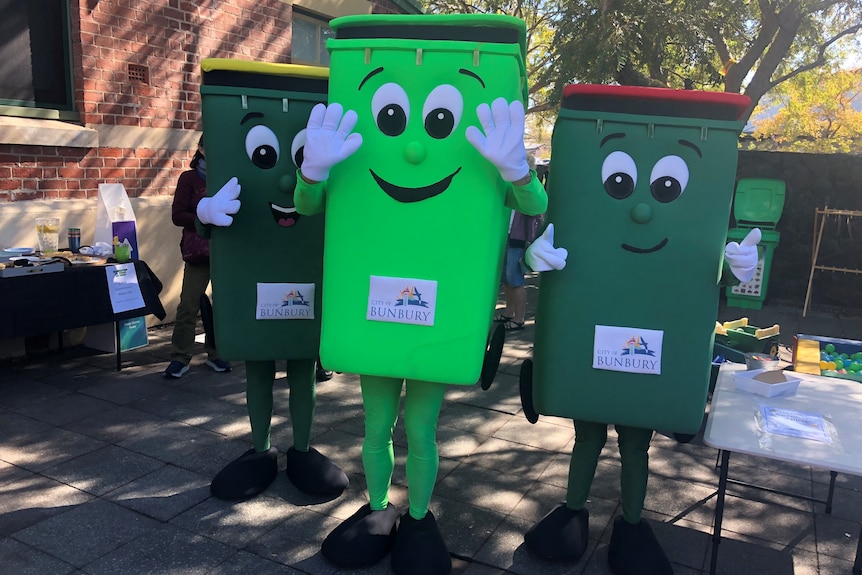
[[813, 181]]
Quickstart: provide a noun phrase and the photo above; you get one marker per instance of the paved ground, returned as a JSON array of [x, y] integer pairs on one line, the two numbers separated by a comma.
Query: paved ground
[[106, 472]]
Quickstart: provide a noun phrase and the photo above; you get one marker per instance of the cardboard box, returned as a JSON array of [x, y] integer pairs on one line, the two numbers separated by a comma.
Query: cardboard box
[[766, 382]]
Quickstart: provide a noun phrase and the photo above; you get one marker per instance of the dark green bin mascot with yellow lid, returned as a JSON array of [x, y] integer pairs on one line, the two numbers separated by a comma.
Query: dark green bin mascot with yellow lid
[[266, 260]]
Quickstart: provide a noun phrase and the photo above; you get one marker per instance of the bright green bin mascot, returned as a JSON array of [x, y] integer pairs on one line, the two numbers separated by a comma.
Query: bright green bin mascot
[[266, 260], [417, 204], [640, 190]]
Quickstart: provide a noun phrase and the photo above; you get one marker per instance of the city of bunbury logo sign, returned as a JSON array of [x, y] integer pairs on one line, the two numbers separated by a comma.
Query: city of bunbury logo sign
[[629, 349], [285, 301], [402, 300]]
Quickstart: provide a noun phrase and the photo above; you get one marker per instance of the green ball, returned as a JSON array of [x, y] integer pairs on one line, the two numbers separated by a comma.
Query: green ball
[[829, 348]]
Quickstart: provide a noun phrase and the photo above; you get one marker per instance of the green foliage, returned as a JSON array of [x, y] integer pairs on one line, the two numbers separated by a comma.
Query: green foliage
[[742, 46], [814, 114]]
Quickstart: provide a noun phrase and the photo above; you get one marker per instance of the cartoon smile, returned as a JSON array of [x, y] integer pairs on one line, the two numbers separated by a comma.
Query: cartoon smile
[[409, 195], [285, 217], [638, 250]]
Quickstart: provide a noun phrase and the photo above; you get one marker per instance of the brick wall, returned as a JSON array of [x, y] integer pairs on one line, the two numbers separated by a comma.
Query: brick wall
[[50, 172], [168, 38]]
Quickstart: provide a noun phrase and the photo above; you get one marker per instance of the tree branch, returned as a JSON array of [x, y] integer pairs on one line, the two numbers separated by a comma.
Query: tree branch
[[819, 60], [769, 25]]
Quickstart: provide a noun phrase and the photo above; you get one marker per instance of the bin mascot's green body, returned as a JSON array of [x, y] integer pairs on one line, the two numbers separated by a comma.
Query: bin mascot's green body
[[417, 208], [266, 260], [640, 193]]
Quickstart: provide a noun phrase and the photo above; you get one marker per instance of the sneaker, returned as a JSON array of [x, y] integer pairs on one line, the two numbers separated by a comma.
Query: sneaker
[[176, 369], [512, 325], [219, 365], [322, 374]]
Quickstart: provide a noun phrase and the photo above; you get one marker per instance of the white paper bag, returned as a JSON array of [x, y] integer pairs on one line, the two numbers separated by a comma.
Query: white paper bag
[[113, 206]]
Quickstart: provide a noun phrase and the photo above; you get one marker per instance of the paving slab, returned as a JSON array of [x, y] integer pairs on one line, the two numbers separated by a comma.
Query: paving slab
[[164, 493], [87, 532], [108, 472]]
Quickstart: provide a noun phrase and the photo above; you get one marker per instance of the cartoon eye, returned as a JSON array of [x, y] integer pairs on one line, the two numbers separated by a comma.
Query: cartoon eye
[[620, 175], [297, 148], [261, 145], [442, 111], [668, 179], [390, 108]]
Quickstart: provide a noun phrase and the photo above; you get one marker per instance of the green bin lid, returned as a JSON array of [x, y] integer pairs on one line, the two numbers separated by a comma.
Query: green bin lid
[[472, 28], [758, 202]]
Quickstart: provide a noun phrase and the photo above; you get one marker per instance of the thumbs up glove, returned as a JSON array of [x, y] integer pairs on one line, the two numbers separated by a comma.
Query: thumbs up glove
[[218, 209], [742, 257], [503, 141], [328, 140], [542, 256]]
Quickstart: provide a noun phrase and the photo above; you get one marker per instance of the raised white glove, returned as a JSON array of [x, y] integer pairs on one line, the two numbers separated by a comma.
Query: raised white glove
[[218, 209], [742, 257], [503, 141], [542, 256], [328, 140]]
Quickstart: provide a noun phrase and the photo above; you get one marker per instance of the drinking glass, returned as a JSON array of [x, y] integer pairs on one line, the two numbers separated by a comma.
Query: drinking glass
[[48, 232]]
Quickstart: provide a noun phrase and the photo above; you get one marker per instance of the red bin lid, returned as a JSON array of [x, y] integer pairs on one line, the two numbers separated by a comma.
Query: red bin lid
[[649, 101]]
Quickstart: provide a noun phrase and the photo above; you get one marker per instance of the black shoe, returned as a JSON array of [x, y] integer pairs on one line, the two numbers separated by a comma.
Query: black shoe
[[248, 475], [512, 325], [322, 375], [561, 535], [363, 539], [419, 548], [219, 365], [176, 369], [315, 474], [634, 550]]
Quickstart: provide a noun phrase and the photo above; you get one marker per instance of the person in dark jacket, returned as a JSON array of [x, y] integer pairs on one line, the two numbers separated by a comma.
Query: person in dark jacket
[[191, 187]]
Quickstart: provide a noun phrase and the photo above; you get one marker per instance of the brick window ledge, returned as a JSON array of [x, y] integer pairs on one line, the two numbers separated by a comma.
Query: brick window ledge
[[41, 132]]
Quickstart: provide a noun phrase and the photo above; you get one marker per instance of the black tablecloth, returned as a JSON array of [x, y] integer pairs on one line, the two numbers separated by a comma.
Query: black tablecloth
[[76, 297]]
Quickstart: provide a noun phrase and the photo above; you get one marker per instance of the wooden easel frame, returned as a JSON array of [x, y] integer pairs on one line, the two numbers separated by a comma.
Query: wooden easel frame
[[820, 216]]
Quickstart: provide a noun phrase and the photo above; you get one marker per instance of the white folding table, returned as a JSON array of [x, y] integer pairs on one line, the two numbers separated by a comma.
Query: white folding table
[[735, 426]]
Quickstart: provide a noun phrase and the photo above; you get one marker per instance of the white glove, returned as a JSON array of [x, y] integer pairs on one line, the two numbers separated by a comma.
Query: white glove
[[503, 141], [328, 140], [742, 257], [217, 210], [542, 256]]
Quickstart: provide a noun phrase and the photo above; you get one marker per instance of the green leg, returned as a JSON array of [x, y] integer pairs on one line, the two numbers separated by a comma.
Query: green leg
[[380, 397], [590, 438], [260, 376], [421, 408], [634, 454], [303, 399]]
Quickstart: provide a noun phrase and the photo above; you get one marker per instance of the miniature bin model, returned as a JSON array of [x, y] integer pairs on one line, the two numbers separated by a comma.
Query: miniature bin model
[[757, 203], [415, 219], [267, 266], [640, 197]]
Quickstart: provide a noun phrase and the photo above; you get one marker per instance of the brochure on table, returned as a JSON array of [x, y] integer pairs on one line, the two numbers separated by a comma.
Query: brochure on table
[[123, 288], [793, 423]]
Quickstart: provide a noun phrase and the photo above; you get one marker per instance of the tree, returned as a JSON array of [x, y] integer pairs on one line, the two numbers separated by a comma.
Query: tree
[[813, 112], [543, 56], [741, 46]]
